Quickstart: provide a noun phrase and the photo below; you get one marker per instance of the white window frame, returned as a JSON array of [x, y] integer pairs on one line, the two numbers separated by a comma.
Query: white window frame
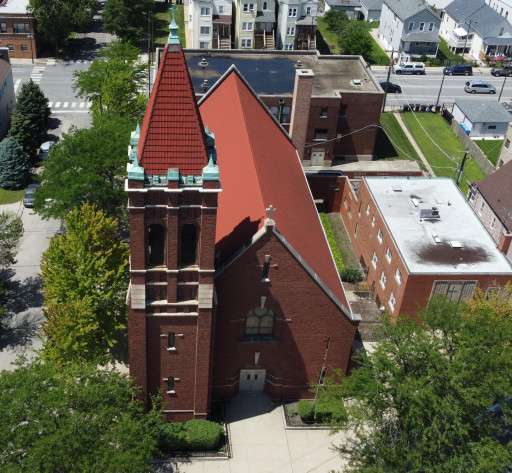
[[205, 11], [373, 221], [204, 45], [493, 222], [392, 302], [247, 43], [292, 12], [398, 276], [375, 259], [389, 255], [383, 280], [482, 208], [221, 9], [247, 26], [368, 209], [411, 26], [431, 26], [422, 26], [288, 47], [204, 30], [380, 235], [248, 7], [290, 31], [308, 10]]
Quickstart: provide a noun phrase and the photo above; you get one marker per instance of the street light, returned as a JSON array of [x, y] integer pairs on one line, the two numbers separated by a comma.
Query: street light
[[467, 36]]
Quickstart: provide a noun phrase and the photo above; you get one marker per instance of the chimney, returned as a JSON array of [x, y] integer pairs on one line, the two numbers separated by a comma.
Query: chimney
[[505, 240], [300, 108]]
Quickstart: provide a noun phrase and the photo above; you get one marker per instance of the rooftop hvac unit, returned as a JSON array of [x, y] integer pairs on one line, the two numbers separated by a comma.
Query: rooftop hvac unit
[[428, 212]]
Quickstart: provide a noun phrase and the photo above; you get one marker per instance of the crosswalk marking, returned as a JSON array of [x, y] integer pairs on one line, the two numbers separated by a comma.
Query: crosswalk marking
[[75, 105], [82, 104], [66, 104], [57, 105], [37, 73]]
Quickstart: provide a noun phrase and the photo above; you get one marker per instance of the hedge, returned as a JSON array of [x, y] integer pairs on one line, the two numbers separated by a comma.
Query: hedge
[[193, 435], [305, 409], [332, 242]]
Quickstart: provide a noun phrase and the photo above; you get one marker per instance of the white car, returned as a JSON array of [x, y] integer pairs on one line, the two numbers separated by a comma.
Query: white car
[[409, 68], [44, 150]]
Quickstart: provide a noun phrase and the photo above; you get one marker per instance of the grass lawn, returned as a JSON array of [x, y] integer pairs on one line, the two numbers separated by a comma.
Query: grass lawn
[[441, 147], [162, 21], [329, 37], [392, 143], [491, 149], [445, 54], [9, 197]]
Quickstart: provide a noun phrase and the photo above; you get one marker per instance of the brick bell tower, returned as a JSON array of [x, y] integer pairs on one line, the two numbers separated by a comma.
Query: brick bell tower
[[173, 185]]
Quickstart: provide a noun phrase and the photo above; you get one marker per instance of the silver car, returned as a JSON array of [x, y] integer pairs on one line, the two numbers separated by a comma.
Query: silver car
[[479, 87]]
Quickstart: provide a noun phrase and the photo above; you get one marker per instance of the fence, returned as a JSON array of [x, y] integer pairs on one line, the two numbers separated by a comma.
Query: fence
[[476, 153]]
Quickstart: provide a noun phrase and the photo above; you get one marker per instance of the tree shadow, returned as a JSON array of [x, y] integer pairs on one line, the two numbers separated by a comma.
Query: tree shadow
[[82, 49], [54, 123]]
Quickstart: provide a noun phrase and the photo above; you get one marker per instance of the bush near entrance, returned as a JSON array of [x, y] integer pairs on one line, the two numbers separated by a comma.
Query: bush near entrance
[[191, 436]]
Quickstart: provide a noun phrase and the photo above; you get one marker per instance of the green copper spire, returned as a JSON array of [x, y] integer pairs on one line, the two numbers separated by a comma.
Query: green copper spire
[[173, 27], [211, 171]]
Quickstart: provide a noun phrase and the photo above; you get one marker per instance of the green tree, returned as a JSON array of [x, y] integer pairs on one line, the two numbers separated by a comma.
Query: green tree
[[115, 82], [87, 165], [11, 230], [419, 402], [127, 19], [15, 165], [77, 420], [355, 39], [335, 20], [29, 119], [56, 19], [85, 278]]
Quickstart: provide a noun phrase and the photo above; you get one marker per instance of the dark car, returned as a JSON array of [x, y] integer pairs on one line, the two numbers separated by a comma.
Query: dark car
[[505, 70], [28, 198], [392, 88], [458, 70]]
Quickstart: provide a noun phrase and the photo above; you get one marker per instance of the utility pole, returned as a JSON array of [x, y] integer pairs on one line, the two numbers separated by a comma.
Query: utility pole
[[462, 167], [466, 41], [502, 87], [387, 81], [440, 88]]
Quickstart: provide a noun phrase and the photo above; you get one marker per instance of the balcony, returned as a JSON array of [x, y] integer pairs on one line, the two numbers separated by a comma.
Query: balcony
[[459, 39]]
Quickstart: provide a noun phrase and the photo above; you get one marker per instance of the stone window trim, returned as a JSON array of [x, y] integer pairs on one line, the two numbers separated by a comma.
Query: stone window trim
[[380, 235]]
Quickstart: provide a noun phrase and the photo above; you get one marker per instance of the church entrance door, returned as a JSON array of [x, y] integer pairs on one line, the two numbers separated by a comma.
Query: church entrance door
[[252, 380]]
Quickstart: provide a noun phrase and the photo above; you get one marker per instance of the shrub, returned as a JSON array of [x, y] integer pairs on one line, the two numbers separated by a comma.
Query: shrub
[[336, 254], [327, 410], [351, 274], [194, 435], [305, 409], [423, 58], [291, 412], [436, 62]]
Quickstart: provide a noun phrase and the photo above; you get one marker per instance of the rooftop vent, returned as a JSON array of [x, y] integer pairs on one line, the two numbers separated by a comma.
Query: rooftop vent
[[298, 64], [436, 238], [428, 212], [356, 81], [397, 189], [455, 244]]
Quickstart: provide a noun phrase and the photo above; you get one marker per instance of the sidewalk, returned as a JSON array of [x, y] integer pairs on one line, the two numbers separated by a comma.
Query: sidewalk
[[398, 117]]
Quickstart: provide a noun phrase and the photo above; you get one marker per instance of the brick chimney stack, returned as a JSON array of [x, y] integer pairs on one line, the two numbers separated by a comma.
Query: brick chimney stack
[[504, 243], [300, 108]]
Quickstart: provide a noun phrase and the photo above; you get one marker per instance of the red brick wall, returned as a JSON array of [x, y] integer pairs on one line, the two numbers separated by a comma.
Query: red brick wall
[[328, 188], [17, 40], [305, 317]]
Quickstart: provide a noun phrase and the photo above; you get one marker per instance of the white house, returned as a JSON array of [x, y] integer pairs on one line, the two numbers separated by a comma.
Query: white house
[[483, 118], [503, 7], [208, 24], [255, 24], [296, 24], [411, 28], [472, 26], [371, 9]]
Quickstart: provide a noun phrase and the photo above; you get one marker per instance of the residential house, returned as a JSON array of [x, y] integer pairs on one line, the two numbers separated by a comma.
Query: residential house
[[17, 29], [228, 292], [7, 98], [208, 24], [417, 238], [296, 24], [472, 26], [483, 118], [317, 99], [351, 7], [503, 7], [506, 150], [491, 199], [410, 28], [371, 9], [255, 24]]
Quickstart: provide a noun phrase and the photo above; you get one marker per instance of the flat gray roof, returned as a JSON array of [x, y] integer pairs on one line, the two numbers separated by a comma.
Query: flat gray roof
[[454, 243], [273, 72], [15, 6]]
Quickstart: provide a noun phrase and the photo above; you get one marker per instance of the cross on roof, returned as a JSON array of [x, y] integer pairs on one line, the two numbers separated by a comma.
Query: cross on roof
[[270, 211]]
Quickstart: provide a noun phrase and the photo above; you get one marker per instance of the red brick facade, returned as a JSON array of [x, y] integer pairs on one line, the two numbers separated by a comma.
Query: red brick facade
[[17, 34]]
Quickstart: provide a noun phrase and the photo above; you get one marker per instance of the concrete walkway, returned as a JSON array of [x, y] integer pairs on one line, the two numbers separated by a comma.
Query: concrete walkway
[[261, 444], [414, 144]]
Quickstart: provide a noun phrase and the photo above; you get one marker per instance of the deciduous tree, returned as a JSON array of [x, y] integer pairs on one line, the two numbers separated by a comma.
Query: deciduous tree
[[11, 230], [127, 19], [87, 165], [420, 401], [335, 20], [15, 165], [115, 82], [74, 420], [355, 39], [29, 119], [85, 278]]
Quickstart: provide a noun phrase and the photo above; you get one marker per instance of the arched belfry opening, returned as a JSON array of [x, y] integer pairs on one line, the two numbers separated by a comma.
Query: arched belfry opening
[[188, 244], [156, 245]]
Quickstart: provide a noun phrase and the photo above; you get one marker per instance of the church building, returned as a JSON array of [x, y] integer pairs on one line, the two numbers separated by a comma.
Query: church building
[[232, 283]]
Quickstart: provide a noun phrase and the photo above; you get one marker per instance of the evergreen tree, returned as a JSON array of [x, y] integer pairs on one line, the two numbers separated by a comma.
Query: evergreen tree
[[15, 165], [85, 278], [29, 119]]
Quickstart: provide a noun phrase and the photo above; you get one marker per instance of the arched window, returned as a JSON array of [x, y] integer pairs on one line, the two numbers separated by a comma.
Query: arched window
[[188, 244], [260, 321], [156, 245]]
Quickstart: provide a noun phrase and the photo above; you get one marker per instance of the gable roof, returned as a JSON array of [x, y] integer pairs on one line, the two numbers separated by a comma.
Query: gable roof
[[497, 191], [406, 9], [483, 110], [172, 133], [372, 4], [459, 10], [259, 167]]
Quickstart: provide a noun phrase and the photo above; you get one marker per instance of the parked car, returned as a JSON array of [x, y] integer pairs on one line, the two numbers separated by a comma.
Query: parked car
[[409, 68], [391, 88], [505, 70], [28, 198], [44, 150], [458, 70], [479, 87]]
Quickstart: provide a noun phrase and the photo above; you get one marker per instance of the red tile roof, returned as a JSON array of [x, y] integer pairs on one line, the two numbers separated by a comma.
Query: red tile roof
[[259, 166], [172, 133]]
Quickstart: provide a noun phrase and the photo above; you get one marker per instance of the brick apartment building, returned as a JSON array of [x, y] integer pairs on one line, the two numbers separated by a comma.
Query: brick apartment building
[[491, 199], [330, 105], [17, 29], [418, 237], [233, 286]]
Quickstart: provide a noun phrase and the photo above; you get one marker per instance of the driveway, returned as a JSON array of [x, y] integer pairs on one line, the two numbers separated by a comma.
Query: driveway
[[261, 444], [22, 322]]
